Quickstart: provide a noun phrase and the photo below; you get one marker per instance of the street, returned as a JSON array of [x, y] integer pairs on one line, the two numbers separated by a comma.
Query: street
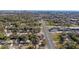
[[50, 44]]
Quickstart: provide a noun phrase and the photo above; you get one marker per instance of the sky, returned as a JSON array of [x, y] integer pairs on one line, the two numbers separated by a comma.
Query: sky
[[39, 5]]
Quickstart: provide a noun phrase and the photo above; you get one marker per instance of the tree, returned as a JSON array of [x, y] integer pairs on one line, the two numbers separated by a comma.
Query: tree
[[34, 39], [2, 36], [70, 45]]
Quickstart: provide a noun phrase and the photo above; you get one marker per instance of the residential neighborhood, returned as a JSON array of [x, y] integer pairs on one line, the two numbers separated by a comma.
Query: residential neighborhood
[[39, 29]]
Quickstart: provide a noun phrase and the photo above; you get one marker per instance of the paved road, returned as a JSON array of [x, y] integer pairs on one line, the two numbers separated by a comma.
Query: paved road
[[50, 44]]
